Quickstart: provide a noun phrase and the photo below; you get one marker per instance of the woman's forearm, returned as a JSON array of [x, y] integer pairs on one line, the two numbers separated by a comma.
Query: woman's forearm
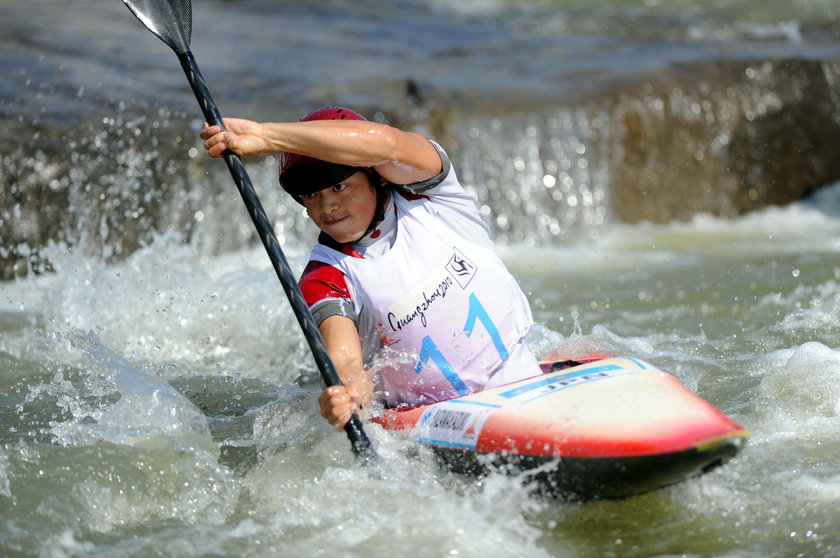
[[399, 156]]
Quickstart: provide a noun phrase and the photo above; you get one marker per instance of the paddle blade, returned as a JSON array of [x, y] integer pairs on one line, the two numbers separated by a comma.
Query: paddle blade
[[170, 20]]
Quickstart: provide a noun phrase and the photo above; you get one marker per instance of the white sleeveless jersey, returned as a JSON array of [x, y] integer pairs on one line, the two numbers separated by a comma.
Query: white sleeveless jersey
[[438, 313]]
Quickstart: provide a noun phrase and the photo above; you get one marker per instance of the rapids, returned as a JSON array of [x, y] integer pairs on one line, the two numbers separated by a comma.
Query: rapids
[[167, 404]]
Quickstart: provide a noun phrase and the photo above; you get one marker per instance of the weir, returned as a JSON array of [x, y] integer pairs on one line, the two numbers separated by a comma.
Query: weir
[[559, 126], [722, 138]]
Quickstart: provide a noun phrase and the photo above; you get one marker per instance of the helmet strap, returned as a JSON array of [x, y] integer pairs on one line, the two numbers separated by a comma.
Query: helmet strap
[[382, 191]]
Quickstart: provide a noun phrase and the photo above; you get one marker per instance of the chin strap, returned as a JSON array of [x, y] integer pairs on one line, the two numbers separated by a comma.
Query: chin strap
[[381, 201]]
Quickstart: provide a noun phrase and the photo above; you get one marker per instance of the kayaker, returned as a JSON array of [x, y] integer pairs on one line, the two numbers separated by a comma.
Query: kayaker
[[412, 301]]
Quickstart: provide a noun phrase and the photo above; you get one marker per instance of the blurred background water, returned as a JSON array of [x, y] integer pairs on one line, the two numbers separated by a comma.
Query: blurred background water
[[660, 175]]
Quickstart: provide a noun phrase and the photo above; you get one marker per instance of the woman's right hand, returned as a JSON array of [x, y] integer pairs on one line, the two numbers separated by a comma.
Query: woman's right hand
[[338, 403], [243, 137]]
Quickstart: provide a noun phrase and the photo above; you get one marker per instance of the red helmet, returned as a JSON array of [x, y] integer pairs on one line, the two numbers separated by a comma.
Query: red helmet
[[301, 175]]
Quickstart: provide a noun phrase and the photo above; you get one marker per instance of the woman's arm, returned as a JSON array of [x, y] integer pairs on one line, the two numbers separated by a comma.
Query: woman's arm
[[399, 156], [338, 403]]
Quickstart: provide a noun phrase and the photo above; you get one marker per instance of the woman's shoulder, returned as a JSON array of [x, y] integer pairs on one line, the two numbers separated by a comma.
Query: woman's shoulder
[[429, 186]]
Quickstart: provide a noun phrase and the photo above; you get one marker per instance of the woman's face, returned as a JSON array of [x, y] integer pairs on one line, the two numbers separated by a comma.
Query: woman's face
[[343, 211]]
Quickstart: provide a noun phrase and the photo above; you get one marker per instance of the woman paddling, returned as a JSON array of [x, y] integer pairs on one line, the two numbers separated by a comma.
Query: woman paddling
[[412, 301]]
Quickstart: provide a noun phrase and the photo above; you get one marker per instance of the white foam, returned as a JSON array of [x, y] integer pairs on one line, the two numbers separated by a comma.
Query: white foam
[[5, 489], [811, 226], [66, 545], [799, 395], [147, 410], [169, 304], [321, 507]]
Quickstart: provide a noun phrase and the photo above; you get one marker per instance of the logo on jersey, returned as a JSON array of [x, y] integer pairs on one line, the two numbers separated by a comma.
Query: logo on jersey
[[384, 340], [460, 268]]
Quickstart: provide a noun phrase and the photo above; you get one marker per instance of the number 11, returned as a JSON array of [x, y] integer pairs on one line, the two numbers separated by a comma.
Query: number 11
[[429, 350]]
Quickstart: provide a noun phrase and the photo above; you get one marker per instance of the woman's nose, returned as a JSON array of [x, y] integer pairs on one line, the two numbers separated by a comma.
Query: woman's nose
[[327, 201]]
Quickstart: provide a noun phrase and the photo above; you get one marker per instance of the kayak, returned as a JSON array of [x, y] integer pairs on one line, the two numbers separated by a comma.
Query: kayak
[[597, 427]]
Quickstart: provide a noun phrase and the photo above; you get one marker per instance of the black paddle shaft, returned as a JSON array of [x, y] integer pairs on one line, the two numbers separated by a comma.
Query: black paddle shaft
[[171, 22], [358, 438]]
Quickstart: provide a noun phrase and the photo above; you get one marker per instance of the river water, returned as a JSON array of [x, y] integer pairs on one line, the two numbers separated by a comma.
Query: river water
[[161, 401]]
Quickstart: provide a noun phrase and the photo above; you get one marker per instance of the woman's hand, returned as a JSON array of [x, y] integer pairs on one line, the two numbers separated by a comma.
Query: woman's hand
[[243, 137], [338, 403]]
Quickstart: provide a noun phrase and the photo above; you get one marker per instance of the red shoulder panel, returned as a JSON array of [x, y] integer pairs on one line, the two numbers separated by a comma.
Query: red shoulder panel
[[320, 281]]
